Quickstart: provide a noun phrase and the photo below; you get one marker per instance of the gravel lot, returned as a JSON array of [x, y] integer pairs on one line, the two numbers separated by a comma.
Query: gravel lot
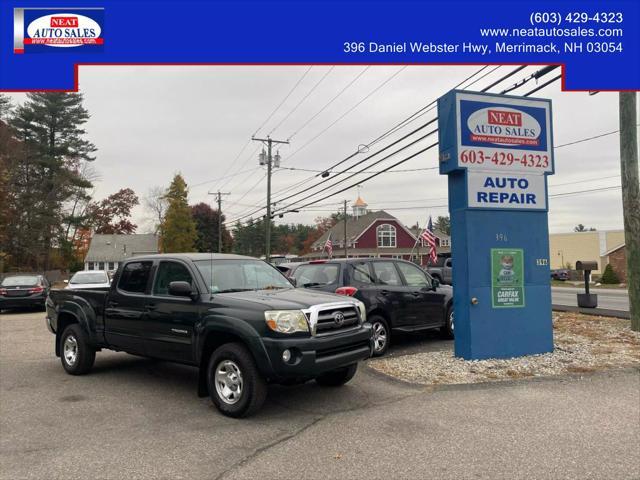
[[583, 344]]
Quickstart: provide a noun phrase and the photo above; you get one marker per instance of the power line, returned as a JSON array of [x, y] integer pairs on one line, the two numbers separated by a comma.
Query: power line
[[422, 207], [397, 127], [366, 97], [333, 99], [535, 75], [248, 142], [223, 178], [283, 100], [367, 158], [302, 100], [378, 173], [405, 122]]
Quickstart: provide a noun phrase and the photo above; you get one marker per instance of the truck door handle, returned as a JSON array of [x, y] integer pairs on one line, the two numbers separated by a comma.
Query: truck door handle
[[151, 306], [384, 292], [112, 304], [416, 294]]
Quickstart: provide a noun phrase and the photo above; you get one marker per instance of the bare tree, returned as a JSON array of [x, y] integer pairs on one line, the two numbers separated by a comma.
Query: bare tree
[[155, 205]]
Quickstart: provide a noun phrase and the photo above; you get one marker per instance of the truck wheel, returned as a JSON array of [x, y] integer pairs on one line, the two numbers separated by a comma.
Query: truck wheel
[[337, 378], [381, 335], [236, 386], [76, 354], [447, 328]]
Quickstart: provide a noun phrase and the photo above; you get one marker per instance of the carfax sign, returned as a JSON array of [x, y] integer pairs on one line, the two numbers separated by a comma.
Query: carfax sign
[[497, 151], [507, 277], [51, 30]]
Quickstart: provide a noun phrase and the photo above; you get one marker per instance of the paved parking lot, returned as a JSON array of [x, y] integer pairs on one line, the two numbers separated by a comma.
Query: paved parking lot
[[138, 418]]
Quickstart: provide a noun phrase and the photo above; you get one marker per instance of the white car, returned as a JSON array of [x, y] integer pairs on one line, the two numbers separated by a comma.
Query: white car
[[89, 279]]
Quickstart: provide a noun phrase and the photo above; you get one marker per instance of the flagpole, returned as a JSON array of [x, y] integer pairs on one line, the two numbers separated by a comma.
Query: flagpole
[[415, 244]]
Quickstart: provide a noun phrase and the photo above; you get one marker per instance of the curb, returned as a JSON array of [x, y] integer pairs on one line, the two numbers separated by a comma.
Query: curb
[[602, 312]]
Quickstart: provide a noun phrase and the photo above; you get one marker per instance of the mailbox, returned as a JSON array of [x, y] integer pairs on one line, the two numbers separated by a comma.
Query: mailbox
[[586, 265], [586, 299]]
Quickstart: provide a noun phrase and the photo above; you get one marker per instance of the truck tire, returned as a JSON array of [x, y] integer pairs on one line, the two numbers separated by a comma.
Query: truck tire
[[337, 378], [381, 335], [76, 354], [236, 387], [447, 329]]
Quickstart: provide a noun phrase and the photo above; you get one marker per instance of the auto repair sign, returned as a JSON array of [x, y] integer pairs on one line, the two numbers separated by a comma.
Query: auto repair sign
[[58, 30], [514, 191], [503, 133]]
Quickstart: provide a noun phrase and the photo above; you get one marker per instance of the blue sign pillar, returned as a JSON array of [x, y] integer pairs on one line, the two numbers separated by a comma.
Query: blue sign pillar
[[497, 151]]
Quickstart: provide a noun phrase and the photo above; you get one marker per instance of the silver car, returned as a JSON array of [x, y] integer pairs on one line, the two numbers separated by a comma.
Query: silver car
[[89, 279]]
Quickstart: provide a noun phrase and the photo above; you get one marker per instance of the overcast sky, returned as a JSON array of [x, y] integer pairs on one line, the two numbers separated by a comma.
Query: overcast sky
[[151, 122]]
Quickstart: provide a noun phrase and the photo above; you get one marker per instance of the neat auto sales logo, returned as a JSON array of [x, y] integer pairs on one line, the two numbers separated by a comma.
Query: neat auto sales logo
[[38, 29], [504, 126]]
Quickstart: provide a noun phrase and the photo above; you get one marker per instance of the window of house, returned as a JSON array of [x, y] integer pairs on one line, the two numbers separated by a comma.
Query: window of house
[[112, 266], [445, 242], [134, 277], [90, 266], [101, 266], [386, 235]]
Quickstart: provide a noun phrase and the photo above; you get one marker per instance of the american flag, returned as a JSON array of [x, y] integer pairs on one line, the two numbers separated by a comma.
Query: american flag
[[428, 236], [328, 246]]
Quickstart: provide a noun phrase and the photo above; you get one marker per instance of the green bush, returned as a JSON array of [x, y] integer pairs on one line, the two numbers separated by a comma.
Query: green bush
[[609, 276]]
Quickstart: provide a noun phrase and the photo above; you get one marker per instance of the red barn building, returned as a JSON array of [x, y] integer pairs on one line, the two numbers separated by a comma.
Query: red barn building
[[371, 234]]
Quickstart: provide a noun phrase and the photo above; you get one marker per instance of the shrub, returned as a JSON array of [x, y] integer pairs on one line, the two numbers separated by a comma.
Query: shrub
[[609, 276]]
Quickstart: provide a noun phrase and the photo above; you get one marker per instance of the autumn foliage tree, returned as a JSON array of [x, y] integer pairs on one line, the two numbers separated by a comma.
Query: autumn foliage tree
[[113, 214], [178, 229]]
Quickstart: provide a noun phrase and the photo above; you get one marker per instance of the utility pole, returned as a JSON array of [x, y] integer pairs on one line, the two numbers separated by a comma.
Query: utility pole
[[631, 200], [266, 158], [219, 195], [346, 248]]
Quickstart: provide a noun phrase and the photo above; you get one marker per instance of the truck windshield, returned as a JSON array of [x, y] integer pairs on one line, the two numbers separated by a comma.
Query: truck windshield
[[225, 276]]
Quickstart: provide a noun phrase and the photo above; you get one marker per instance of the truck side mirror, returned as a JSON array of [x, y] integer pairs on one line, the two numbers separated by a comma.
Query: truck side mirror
[[435, 283], [180, 289], [66, 281]]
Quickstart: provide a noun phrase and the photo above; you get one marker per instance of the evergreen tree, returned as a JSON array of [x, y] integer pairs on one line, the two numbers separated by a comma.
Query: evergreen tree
[[48, 127], [178, 229], [443, 223], [609, 276], [207, 222]]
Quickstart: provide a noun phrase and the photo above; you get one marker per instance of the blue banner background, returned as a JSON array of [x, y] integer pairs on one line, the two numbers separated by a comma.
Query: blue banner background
[[208, 32]]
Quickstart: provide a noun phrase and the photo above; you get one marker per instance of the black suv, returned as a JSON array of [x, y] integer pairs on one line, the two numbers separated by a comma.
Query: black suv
[[398, 295]]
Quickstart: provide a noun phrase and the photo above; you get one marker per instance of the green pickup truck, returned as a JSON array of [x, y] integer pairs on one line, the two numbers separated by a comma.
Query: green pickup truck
[[237, 319]]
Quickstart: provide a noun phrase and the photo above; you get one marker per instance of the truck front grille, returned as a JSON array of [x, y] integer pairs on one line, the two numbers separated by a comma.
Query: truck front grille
[[334, 320]]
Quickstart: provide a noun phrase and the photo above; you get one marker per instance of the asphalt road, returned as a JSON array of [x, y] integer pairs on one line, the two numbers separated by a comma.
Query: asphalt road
[[138, 418], [614, 299]]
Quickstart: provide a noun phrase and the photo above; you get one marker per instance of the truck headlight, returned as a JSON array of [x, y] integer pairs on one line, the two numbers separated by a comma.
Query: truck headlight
[[286, 321], [363, 310]]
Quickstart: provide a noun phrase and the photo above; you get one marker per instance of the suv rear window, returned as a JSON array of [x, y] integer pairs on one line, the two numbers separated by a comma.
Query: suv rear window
[[316, 274]]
